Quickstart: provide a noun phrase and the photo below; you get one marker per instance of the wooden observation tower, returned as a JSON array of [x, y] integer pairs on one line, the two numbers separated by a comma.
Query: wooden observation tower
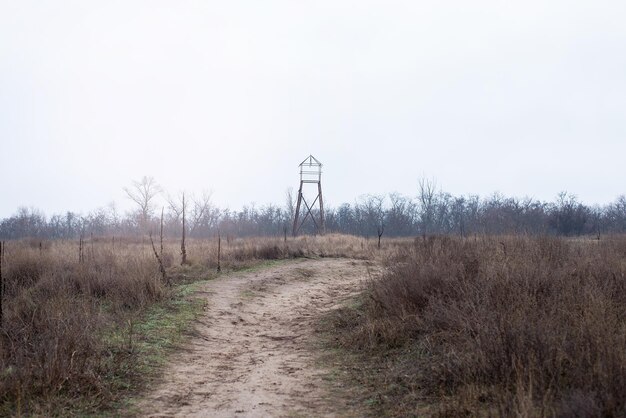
[[310, 173]]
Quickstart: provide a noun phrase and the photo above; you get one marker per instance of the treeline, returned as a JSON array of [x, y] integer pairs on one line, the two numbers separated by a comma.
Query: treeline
[[430, 212]]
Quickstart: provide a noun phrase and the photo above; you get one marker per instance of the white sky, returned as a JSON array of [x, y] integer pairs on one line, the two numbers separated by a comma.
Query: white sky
[[527, 98]]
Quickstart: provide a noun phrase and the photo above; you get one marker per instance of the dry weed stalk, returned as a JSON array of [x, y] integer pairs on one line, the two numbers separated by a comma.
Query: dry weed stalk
[[1, 280], [161, 234], [219, 252], [183, 250], [160, 261]]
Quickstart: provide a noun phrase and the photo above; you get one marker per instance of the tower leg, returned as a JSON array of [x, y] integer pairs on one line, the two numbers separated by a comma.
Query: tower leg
[[295, 218], [322, 222]]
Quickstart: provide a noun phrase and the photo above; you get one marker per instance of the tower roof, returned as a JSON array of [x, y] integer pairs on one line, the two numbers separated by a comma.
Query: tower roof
[[311, 161]]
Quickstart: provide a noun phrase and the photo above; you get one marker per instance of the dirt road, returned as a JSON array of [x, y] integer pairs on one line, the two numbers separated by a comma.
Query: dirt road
[[253, 354]]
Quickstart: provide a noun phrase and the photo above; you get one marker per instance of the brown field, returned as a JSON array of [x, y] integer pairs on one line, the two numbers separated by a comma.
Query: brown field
[[477, 326], [495, 326], [81, 336]]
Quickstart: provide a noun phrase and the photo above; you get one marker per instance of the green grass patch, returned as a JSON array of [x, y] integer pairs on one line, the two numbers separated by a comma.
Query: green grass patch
[[259, 265], [149, 338]]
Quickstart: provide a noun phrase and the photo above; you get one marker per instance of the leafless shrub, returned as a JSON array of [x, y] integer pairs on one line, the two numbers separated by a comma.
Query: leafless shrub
[[536, 329], [55, 313]]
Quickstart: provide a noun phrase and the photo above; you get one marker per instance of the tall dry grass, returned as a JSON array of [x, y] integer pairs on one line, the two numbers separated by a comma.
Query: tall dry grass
[[56, 350], [500, 326], [56, 311]]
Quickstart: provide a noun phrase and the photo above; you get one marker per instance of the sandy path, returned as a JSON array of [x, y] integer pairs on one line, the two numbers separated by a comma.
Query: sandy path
[[252, 355]]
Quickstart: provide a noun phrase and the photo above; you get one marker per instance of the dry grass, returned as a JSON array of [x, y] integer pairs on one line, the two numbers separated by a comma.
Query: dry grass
[[499, 326], [71, 331], [56, 311]]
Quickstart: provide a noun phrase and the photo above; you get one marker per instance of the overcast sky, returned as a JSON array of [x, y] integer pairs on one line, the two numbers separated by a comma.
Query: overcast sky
[[527, 98]]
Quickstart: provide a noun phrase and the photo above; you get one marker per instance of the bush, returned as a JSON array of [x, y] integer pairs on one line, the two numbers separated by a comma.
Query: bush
[[505, 326], [55, 313]]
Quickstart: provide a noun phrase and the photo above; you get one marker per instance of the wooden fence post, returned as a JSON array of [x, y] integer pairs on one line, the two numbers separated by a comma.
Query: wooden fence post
[[219, 251], [1, 281]]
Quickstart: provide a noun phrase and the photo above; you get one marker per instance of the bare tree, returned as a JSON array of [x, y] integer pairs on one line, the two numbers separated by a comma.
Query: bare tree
[[380, 231], [179, 208], [202, 213], [290, 204], [143, 193], [615, 214], [175, 206], [401, 215], [457, 214], [569, 216], [375, 212], [290, 210], [427, 201]]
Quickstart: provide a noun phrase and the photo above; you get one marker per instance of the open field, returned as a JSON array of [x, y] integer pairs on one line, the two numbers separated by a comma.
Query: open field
[[501, 325], [494, 326], [85, 324], [312, 209]]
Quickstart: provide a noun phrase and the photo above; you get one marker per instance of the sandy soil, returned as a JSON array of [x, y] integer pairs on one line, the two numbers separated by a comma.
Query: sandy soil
[[253, 353]]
